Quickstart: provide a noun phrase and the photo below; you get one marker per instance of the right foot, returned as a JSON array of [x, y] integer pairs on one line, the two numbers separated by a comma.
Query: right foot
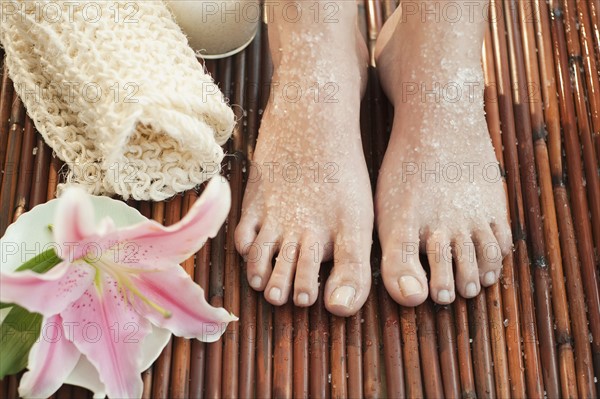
[[439, 188], [308, 195]]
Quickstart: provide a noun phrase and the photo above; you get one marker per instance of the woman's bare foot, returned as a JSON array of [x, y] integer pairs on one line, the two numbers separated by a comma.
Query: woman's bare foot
[[439, 189], [308, 196]]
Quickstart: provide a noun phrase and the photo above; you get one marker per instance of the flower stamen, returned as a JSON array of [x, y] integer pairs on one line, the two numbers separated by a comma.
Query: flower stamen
[[127, 288]]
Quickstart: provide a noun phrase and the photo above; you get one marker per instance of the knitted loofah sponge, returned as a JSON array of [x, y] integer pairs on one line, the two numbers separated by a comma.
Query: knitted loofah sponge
[[115, 90]]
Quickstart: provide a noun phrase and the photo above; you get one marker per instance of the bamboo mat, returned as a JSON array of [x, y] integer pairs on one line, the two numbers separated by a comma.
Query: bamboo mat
[[535, 333]]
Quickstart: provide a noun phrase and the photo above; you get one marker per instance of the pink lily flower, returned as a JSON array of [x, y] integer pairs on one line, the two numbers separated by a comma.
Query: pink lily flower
[[110, 287]]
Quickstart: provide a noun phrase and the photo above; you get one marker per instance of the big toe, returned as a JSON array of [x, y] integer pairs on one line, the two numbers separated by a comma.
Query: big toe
[[402, 273], [349, 283]]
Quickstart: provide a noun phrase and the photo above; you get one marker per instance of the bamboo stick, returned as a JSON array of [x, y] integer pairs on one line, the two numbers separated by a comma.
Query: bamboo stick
[[54, 177], [3, 386], [319, 341], [374, 22], [301, 355], [40, 172], [372, 367], [266, 70], [446, 337], [410, 346], [594, 7], [13, 384], [11, 164], [467, 379], [390, 321], [214, 368], [354, 355], [388, 6], [198, 349], [498, 341], [253, 75], [264, 350], [339, 386], [248, 340], [283, 353], [65, 392], [6, 95], [80, 393], [432, 376], [482, 351]]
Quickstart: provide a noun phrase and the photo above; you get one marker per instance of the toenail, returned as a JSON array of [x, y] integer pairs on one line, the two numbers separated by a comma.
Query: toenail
[[471, 290], [256, 282], [489, 278], [410, 286], [444, 296], [275, 294], [343, 296], [302, 299]]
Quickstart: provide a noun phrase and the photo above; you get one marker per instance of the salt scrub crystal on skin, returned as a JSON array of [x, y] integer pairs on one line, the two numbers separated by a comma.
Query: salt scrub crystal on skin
[[217, 29], [111, 286]]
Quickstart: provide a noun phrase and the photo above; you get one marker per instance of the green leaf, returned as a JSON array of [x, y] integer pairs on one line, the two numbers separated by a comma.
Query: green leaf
[[20, 329], [40, 264], [18, 332]]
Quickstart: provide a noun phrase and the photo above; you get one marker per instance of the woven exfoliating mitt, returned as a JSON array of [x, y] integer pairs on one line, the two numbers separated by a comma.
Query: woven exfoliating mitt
[[115, 90]]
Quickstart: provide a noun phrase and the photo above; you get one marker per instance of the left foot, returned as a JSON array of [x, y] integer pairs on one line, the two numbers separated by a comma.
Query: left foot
[[308, 195], [439, 189]]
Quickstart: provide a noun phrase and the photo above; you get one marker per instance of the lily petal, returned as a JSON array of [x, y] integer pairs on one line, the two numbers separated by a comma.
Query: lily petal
[[190, 315], [51, 360], [48, 293], [110, 333], [73, 222], [153, 242]]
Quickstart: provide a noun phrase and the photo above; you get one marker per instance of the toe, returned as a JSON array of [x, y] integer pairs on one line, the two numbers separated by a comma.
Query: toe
[[245, 235], [349, 283], [280, 282], [259, 258], [441, 286], [489, 256], [467, 272], [503, 236], [306, 283], [401, 270]]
